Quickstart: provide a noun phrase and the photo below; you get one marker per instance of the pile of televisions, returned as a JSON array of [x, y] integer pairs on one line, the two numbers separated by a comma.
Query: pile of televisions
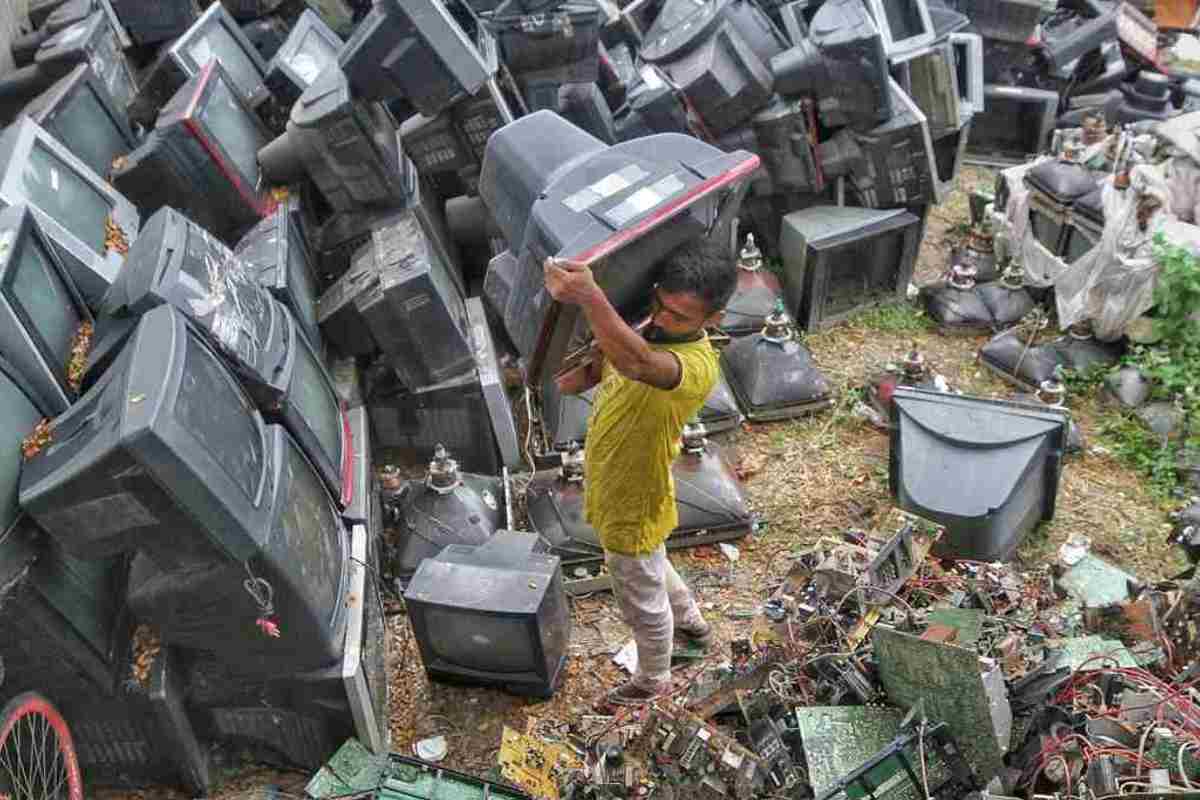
[[245, 250]]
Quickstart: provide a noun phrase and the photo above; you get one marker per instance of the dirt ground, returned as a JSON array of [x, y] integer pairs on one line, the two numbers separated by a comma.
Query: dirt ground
[[811, 477]]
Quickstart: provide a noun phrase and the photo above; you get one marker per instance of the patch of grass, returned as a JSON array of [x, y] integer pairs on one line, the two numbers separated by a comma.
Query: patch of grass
[[1085, 382], [895, 318], [1143, 450]]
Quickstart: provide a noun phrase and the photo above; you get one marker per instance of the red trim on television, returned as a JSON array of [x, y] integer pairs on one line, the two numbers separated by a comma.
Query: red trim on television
[[347, 458]]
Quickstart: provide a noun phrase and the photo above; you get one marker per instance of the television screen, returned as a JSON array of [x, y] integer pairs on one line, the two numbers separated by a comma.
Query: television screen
[[312, 410], [217, 36], [304, 558], [275, 253], [514, 635], [41, 313], [1017, 122], [149, 23], [81, 114], [165, 453], [79, 212], [308, 50], [905, 24]]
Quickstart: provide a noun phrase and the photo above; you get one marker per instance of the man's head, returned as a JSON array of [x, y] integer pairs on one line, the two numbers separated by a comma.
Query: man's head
[[696, 281]]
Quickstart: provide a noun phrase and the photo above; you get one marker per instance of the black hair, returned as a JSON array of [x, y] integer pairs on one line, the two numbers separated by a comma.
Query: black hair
[[703, 267]]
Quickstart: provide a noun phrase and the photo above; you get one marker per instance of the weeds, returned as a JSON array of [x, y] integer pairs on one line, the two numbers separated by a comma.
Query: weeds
[[895, 318], [1140, 448]]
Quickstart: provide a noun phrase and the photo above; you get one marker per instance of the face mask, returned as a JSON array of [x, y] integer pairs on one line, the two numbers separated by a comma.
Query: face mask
[[657, 335]]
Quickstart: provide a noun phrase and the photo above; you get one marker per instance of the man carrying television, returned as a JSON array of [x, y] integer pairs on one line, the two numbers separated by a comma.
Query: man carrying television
[[650, 383]]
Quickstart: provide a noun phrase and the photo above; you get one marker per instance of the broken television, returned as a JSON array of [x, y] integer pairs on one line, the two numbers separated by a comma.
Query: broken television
[[838, 260]]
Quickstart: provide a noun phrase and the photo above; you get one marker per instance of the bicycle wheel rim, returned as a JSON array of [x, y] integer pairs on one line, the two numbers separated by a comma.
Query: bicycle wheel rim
[[30, 720]]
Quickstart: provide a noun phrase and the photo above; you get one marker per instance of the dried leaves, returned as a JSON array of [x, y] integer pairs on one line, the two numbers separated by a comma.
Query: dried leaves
[[38, 439], [145, 647], [115, 239], [81, 345]]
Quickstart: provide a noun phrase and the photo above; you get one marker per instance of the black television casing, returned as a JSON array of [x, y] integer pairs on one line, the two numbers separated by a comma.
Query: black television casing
[[822, 283], [137, 462], [25, 347], [988, 470], [160, 21], [94, 41], [177, 263], [523, 596], [78, 237], [205, 607], [79, 111]]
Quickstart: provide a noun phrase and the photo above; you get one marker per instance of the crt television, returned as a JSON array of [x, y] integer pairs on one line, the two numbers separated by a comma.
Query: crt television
[[42, 316], [79, 211], [839, 259], [57, 614], [493, 614], [165, 453], [177, 263], [80, 112], [213, 138], [302, 555], [215, 35], [94, 41], [309, 49], [275, 254]]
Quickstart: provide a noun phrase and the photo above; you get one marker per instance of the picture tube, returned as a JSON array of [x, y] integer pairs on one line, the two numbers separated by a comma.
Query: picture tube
[[864, 268], [64, 195], [478, 641], [20, 416], [1077, 246], [312, 56], [219, 43], [313, 533], [233, 130], [1047, 229], [211, 407], [85, 127], [312, 396], [301, 282], [44, 302], [904, 19]]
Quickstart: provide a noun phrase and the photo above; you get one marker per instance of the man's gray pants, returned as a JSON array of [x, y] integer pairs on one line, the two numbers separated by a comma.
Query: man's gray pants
[[653, 599]]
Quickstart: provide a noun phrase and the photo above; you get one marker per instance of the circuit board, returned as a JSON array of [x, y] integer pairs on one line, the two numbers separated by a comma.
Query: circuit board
[[538, 767], [701, 756]]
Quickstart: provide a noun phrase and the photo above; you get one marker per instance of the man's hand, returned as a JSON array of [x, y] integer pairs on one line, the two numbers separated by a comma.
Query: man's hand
[[569, 283]]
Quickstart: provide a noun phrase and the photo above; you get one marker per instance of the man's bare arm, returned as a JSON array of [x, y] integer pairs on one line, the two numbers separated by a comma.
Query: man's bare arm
[[624, 347]]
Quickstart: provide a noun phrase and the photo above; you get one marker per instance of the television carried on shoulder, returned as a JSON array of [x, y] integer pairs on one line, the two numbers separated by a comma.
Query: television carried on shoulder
[[80, 113], [296, 578], [215, 35], [493, 614], [45, 327], [165, 454], [177, 263], [90, 223]]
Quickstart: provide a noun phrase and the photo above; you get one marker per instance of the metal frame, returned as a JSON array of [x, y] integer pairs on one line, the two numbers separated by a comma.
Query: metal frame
[[969, 46], [902, 49]]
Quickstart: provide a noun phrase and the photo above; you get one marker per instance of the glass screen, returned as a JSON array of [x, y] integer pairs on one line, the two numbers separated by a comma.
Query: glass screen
[[85, 127], [318, 405], [66, 197], [313, 532], [219, 43], [214, 411], [301, 282], [312, 56], [39, 291], [1078, 245], [233, 130], [1046, 229], [479, 641], [19, 417]]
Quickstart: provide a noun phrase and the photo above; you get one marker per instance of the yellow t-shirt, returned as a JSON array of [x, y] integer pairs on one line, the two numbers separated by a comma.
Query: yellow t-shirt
[[632, 439]]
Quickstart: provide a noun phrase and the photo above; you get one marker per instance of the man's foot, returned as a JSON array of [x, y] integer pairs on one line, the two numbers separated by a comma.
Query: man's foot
[[700, 633], [632, 694]]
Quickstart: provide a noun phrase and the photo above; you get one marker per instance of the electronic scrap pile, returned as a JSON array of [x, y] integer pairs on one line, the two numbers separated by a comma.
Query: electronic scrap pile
[[878, 670]]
